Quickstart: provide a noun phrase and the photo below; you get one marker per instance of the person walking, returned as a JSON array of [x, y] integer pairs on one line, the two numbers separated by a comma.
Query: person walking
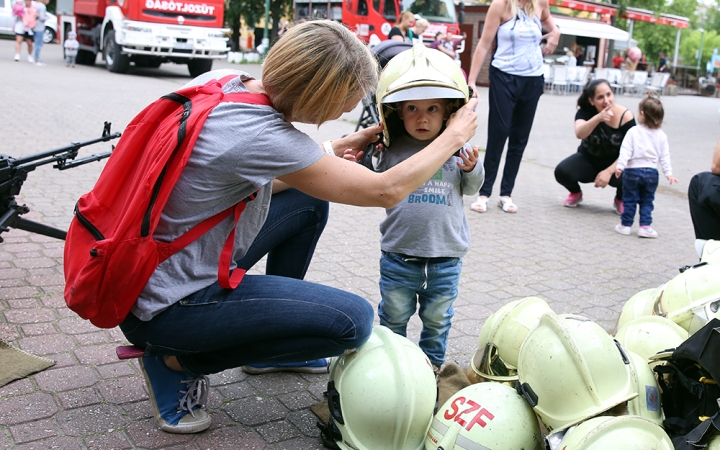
[[404, 23], [187, 323], [516, 83], [601, 124], [39, 29], [643, 147]]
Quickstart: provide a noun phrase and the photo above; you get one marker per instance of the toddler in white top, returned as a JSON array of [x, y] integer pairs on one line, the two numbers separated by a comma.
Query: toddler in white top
[[644, 146]]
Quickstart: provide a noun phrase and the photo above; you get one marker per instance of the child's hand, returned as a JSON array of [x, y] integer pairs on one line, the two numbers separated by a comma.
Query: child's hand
[[470, 161], [618, 172], [672, 179]]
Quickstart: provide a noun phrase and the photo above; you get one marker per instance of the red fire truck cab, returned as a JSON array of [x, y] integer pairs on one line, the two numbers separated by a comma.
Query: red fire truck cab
[[373, 19]]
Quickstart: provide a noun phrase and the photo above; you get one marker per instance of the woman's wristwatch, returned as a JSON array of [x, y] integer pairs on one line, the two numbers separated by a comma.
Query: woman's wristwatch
[[327, 146]]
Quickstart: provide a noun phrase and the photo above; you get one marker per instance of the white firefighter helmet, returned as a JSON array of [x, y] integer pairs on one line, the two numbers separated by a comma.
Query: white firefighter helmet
[[571, 369], [650, 334], [708, 250], [690, 295], [501, 336], [418, 74], [383, 395], [647, 403], [485, 416], [617, 433], [639, 305]]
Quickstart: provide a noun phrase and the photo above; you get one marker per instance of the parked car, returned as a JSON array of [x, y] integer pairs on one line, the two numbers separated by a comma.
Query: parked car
[[7, 21]]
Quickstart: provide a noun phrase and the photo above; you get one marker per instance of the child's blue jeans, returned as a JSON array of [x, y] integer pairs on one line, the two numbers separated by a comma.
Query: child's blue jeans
[[639, 186], [432, 283]]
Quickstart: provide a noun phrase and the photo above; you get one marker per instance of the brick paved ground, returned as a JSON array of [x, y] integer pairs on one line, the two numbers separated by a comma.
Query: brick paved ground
[[89, 400]]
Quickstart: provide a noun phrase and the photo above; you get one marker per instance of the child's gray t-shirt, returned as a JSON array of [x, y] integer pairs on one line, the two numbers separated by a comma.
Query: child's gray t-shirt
[[430, 222], [240, 149]]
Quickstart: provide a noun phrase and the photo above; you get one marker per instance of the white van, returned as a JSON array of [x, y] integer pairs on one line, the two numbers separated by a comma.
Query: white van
[[7, 20]]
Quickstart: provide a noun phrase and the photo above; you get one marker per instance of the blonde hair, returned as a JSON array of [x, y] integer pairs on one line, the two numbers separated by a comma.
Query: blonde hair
[[422, 24], [315, 68], [403, 15], [515, 8]]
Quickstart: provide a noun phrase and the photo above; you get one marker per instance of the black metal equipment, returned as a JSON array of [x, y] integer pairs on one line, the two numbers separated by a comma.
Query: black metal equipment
[[13, 172]]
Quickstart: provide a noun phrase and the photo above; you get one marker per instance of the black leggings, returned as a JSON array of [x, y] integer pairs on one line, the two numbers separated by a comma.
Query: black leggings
[[578, 168], [704, 199]]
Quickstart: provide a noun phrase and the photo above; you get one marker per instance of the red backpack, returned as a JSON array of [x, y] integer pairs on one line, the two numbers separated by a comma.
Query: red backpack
[[110, 252]]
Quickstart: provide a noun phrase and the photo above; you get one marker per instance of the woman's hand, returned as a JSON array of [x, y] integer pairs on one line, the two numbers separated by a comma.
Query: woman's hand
[[606, 114], [463, 121], [352, 146], [551, 41], [603, 178]]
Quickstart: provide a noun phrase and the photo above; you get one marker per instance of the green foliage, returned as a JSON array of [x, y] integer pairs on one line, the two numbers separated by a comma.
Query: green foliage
[[712, 20], [690, 44], [253, 12]]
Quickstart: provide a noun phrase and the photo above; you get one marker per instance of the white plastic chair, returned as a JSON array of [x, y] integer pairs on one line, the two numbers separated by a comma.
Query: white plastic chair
[[601, 74], [638, 82], [559, 79], [657, 83], [581, 77], [615, 79], [548, 76]]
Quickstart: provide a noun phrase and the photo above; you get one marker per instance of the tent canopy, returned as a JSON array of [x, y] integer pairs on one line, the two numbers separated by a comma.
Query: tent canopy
[[589, 28]]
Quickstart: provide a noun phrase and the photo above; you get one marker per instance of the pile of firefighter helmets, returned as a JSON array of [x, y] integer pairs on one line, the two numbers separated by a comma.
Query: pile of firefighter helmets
[[550, 381]]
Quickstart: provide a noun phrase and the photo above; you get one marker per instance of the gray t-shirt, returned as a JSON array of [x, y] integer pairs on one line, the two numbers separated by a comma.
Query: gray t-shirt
[[240, 149], [430, 222], [41, 17]]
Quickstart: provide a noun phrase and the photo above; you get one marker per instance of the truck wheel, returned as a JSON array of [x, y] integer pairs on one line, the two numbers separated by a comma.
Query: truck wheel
[[197, 67], [86, 57], [115, 60]]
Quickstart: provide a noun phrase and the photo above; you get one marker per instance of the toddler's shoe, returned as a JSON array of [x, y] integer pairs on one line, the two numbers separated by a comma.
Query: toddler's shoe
[[572, 200], [618, 206], [177, 398], [622, 229], [313, 366], [647, 232]]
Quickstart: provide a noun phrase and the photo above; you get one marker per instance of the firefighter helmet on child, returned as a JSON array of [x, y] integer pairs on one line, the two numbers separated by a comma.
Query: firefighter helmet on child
[[485, 416], [571, 369], [639, 305], [501, 336], [617, 433], [688, 298], [381, 396], [418, 74], [650, 334], [647, 403]]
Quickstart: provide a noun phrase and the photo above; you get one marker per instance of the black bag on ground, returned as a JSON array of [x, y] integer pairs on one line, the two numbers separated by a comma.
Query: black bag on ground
[[687, 381]]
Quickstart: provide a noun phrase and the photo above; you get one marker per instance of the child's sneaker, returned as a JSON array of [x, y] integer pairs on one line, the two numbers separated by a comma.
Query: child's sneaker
[[647, 232], [313, 366], [618, 206], [177, 398], [31, 60], [622, 229], [17, 57], [572, 200]]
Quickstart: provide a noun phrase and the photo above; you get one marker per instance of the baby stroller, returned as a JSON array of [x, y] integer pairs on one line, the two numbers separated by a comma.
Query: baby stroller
[[384, 52]]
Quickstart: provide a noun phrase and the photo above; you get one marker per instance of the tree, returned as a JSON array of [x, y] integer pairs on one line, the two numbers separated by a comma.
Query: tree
[[253, 13], [690, 44]]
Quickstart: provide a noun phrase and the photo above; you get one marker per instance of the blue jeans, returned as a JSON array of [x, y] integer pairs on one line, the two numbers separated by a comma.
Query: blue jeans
[[38, 40], [639, 186], [430, 282], [267, 318]]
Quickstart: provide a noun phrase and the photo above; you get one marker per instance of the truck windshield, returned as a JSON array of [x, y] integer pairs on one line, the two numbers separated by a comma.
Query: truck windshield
[[433, 10]]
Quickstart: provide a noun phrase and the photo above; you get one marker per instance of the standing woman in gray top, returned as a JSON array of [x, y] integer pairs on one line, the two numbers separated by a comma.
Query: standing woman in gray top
[[516, 83], [188, 325]]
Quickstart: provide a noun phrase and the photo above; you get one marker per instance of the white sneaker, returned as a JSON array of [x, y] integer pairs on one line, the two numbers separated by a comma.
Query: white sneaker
[[31, 59], [647, 232], [17, 57], [620, 228], [39, 64]]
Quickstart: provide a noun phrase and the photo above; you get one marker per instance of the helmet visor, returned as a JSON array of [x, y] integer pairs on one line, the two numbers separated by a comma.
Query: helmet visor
[[422, 93], [488, 364]]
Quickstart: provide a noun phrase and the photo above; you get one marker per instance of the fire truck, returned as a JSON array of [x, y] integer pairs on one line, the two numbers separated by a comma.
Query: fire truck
[[146, 33], [373, 19]]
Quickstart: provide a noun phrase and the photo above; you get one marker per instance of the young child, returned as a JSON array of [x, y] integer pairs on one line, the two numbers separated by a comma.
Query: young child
[[643, 146], [71, 49], [425, 236]]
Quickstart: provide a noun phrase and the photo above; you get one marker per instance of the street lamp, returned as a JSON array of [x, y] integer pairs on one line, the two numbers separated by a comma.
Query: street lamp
[[699, 55]]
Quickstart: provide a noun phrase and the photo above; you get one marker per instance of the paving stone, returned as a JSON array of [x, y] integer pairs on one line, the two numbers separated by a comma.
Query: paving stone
[[35, 315], [66, 378], [255, 410], [277, 432], [235, 437], [27, 408], [92, 419], [47, 344], [122, 390], [115, 440], [54, 443], [146, 434], [78, 398], [33, 431], [119, 369]]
